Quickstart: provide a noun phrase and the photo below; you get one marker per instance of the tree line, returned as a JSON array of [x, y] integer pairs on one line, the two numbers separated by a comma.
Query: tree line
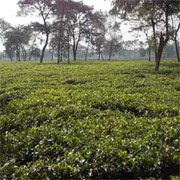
[[156, 18], [66, 24]]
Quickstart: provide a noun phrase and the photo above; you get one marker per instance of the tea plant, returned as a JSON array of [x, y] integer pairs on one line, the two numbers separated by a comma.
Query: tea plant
[[89, 120]]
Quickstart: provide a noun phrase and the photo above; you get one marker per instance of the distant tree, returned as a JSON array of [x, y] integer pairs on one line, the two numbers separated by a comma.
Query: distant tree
[[113, 33], [88, 36], [174, 29], [142, 51], [34, 41], [149, 41], [76, 16], [4, 27], [130, 44], [88, 43], [44, 9], [60, 30], [9, 50], [170, 50], [52, 47], [16, 41], [143, 27], [113, 47], [96, 21], [98, 33], [36, 53], [60, 40], [156, 14]]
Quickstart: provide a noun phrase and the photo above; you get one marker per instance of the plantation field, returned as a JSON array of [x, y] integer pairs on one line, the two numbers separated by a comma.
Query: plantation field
[[89, 120]]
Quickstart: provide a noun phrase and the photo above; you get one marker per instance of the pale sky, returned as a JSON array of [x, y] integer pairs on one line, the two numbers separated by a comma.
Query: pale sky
[[9, 9]]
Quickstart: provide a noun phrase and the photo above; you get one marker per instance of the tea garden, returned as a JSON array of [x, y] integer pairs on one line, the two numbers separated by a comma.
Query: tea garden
[[89, 120]]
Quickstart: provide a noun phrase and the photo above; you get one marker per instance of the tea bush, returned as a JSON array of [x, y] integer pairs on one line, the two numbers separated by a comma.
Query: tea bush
[[89, 120]]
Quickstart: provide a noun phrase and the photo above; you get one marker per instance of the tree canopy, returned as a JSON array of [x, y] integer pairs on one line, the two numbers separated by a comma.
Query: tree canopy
[[44, 10], [154, 14]]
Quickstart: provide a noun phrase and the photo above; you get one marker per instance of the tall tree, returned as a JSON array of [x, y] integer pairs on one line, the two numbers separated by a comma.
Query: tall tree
[[142, 51], [59, 40], [98, 33], [9, 50], [113, 33], [95, 25], [76, 15], [34, 41], [4, 27], [60, 31], [16, 41], [146, 29], [174, 28], [153, 13], [44, 9]]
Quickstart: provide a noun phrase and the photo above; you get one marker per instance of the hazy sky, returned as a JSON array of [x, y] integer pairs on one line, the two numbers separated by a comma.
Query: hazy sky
[[9, 9]]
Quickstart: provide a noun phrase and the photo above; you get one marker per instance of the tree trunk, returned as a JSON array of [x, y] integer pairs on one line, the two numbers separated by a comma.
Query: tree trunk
[[68, 57], [61, 53], [160, 51], [99, 55], [86, 55], [157, 63], [24, 54], [74, 53], [30, 56], [18, 58], [68, 53], [110, 53], [102, 56], [52, 55], [75, 46], [162, 41], [30, 53], [11, 58], [58, 51], [44, 48], [177, 48], [149, 59]]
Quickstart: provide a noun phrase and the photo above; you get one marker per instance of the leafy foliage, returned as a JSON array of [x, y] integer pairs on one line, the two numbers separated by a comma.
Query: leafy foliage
[[89, 120], [150, 14]]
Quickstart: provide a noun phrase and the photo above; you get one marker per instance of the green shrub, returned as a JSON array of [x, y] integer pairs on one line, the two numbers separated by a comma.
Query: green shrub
[[110, 120]]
